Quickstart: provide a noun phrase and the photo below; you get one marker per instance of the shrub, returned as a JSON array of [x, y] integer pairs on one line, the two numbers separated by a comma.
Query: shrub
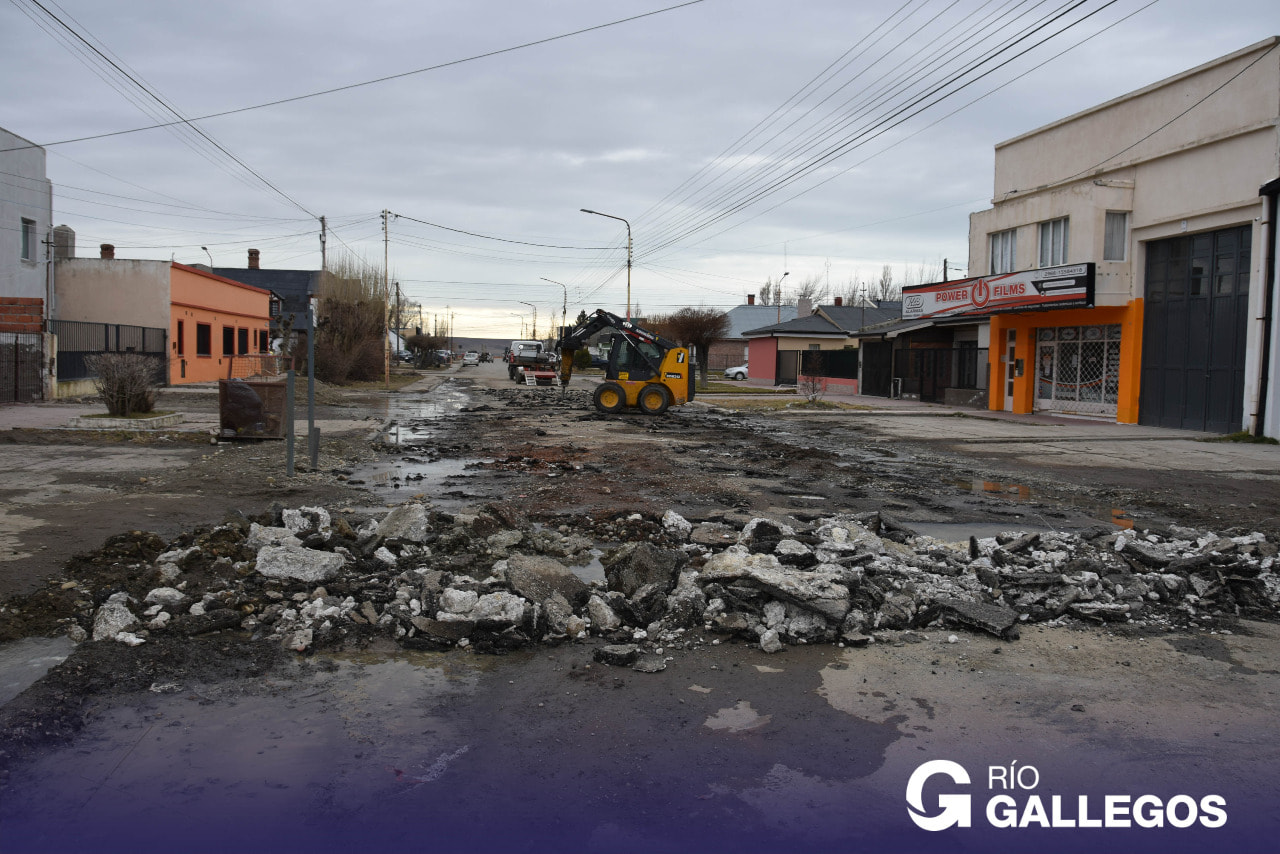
[[125, 382]]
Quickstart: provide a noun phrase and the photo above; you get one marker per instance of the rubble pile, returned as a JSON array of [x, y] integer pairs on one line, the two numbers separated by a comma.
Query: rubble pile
[[494, 581]]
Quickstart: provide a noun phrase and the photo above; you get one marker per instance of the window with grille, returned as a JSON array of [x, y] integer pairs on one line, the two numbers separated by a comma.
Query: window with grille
[[1115, 241], [1053, 242], [1004, 251]]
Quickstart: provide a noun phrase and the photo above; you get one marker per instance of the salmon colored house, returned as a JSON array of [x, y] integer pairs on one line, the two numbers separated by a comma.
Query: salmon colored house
[[213, 320]]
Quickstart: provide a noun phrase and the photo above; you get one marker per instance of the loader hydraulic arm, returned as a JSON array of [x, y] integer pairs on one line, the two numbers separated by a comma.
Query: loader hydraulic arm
[[573, 340]]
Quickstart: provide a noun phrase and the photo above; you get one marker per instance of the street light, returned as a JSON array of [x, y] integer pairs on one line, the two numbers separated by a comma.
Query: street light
[[628, 225], [207, 252], [777, 296], [535, 317], [564, 310]]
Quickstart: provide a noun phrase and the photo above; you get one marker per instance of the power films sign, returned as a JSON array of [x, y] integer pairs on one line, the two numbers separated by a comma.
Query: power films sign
[[1070, 286]]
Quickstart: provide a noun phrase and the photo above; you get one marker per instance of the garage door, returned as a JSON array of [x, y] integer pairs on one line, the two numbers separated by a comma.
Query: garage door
[[1195, 320]]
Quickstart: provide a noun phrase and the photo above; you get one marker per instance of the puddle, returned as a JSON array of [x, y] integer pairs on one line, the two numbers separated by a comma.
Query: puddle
[[1012, 491], [1022, 493], [739, 718], [593, 571], [24, 661]]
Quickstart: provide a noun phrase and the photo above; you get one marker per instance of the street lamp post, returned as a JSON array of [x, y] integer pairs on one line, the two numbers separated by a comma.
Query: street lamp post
[[535, 317], [777, 296], [628, 225]]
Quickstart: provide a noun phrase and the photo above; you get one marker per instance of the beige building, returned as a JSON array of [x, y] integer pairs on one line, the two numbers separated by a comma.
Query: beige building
[[1159, 191]]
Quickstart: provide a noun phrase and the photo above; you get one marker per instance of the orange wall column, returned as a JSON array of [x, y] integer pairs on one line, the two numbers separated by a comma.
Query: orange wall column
[[995, 373], [1130, 386]]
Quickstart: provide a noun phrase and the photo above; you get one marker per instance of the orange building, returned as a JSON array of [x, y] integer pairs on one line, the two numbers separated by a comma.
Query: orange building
[[212, 321]]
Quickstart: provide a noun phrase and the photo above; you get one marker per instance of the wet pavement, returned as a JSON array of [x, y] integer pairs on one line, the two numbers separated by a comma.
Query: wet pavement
[[728, 749]]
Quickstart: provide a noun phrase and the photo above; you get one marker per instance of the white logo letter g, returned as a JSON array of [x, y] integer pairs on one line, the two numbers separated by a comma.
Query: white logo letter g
[[955, 808]]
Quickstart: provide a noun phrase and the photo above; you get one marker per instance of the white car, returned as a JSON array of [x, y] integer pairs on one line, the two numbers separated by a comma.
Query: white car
[[471, 358], [738, 373]]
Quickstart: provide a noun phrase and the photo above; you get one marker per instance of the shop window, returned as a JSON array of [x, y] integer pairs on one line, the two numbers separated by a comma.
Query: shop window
[[1115, 239], [204, 339], [1053, 242], [1004, 251], [228, 340]]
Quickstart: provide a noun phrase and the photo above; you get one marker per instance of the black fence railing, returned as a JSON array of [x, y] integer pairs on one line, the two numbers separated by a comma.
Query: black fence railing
[[78, 340]]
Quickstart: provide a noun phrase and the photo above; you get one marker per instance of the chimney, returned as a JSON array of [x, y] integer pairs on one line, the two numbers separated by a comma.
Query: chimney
[[107, 252], [839, 301], [751, 299], [804, 308], [253, 259]]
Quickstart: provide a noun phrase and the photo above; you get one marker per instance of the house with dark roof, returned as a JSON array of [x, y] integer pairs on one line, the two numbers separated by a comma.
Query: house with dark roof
[[819, 341], [731, 350], [292, 289]]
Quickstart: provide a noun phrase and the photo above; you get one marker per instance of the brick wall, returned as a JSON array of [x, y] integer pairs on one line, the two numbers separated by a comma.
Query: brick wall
[[21, 314]]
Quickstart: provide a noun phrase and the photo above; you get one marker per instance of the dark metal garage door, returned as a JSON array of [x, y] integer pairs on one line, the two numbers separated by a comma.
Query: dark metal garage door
[[1195, 320]]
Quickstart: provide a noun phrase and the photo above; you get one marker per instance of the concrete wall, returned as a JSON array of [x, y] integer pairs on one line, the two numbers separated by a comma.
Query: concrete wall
[[27, 195], [95, 290]]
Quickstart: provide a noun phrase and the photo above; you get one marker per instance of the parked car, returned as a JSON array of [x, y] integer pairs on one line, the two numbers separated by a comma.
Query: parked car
[[738, 373], [470, 359]]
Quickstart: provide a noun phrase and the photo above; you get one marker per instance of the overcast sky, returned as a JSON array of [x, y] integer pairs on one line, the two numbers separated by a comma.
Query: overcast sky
[[740, 138]]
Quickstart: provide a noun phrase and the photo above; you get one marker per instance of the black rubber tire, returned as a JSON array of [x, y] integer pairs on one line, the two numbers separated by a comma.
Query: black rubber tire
[[653, 399], [609, 398]]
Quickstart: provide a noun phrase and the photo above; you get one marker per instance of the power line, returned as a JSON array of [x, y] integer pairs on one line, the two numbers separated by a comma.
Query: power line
[[152, 95], [375, 81]]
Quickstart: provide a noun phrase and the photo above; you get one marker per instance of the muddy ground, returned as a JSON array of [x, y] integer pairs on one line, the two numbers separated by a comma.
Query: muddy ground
[[216, 742]]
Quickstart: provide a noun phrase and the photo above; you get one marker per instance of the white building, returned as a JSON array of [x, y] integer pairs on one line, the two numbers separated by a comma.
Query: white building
[[1162, 192]]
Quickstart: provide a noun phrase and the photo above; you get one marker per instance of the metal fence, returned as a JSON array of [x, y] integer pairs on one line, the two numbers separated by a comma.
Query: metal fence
[[928, 372], [21, 355], [78, 340]]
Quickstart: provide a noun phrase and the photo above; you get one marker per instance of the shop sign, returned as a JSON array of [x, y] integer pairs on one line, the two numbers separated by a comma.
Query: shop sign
[[1069, 286]]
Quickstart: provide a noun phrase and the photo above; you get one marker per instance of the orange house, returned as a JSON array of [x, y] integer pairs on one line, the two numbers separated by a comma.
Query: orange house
[[212, 322]]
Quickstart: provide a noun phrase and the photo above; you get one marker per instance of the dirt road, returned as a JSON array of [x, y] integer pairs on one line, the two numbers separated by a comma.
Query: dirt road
[[218, 742]]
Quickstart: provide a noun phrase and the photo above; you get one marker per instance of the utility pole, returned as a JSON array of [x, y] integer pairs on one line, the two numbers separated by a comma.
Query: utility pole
[[386, 295]]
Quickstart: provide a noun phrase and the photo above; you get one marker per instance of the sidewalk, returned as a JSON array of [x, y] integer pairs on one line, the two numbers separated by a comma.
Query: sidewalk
[[1000, 425]]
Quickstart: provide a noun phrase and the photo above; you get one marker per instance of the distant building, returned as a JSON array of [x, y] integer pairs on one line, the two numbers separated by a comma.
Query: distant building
[[821, 341], [200, 326], [731, 350], [292, 288]]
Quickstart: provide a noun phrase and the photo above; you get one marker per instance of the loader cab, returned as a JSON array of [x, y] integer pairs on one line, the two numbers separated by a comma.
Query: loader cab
[[627, 359]]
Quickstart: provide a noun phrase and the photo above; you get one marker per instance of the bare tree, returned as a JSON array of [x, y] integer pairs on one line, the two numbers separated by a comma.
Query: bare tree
[[854, 290], [811, 288], [769, 291], [813, 383], [352, 321], [885, 289], [923, 274], [699, 328]]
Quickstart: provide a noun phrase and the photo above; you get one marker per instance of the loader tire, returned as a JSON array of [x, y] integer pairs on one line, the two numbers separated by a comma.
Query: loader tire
[[609, 398], [653, 399]]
